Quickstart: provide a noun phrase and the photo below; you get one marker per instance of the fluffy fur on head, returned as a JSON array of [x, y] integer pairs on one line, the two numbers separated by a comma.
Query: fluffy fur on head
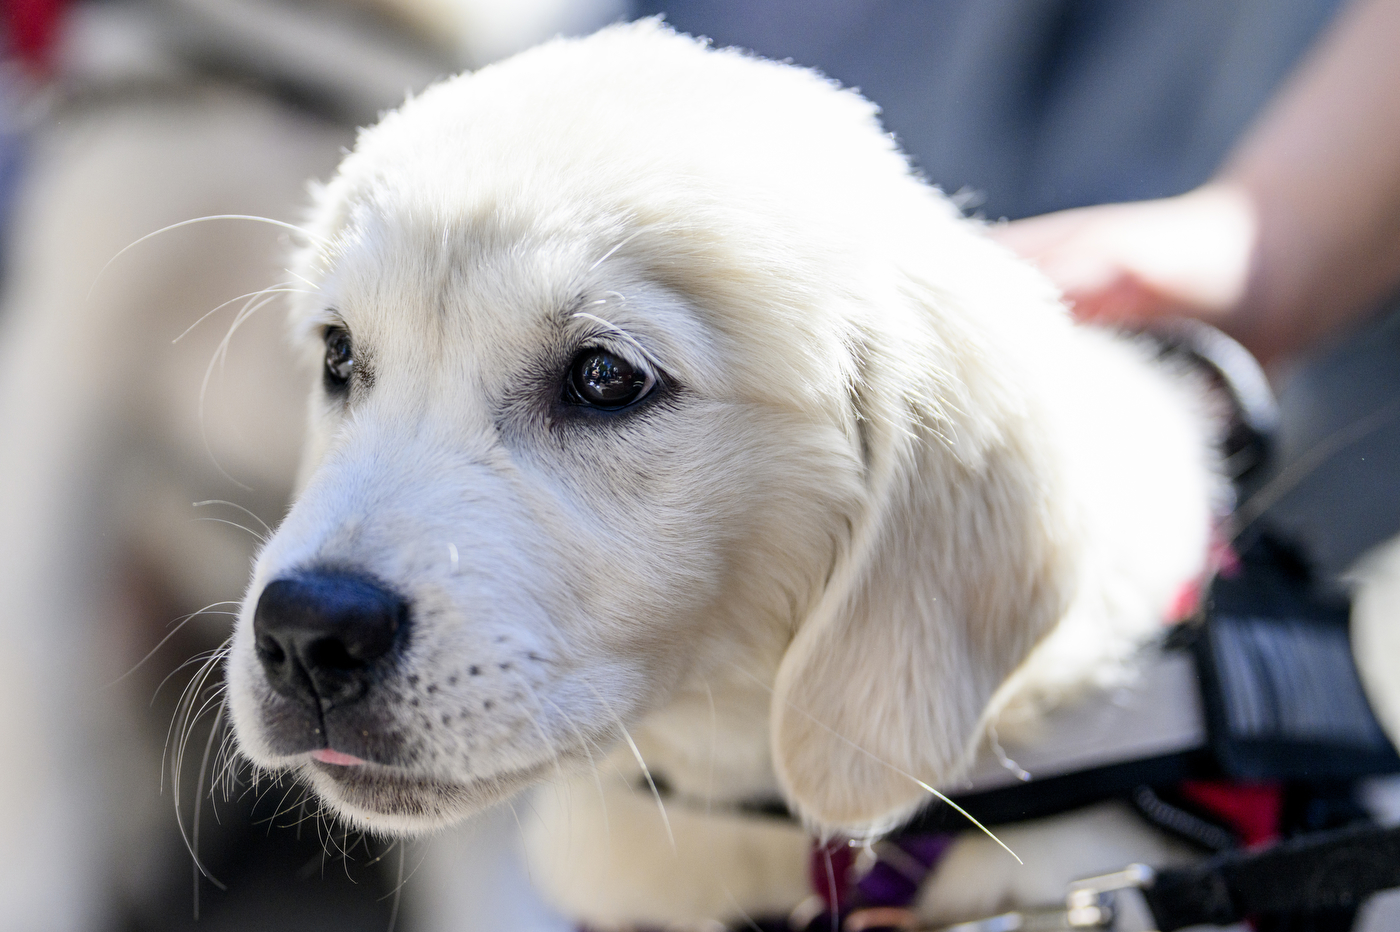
[[878, 467]]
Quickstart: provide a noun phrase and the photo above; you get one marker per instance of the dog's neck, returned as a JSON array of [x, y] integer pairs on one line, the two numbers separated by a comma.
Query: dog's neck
[[711, 741]]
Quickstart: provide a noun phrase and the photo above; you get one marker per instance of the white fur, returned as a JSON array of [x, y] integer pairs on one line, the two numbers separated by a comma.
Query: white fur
[[886, 467], [1375, 633]]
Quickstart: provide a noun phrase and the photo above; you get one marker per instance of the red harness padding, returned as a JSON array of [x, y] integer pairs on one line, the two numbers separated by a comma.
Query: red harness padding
[[1221, 560], [1253, 811]]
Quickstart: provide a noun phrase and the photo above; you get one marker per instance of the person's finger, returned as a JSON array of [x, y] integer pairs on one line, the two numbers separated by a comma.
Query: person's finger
[[1036, 235]]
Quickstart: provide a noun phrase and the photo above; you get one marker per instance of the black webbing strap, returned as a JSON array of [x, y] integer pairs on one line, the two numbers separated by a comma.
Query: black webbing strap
[[1282, 696], [1050, 796], [1319, 871]]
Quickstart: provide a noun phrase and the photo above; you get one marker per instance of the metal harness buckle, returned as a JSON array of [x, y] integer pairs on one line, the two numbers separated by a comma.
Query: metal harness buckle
[[1089, 904]]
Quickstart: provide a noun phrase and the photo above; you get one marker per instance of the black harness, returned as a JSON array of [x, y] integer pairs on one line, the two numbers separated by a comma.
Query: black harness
[[1283, 706]]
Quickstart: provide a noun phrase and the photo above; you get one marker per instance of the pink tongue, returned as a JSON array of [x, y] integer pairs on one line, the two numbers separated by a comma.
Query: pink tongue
[[327, 756]]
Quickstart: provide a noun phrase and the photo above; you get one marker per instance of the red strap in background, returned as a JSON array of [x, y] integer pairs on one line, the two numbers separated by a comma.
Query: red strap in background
[[829, 872], [30, 31]]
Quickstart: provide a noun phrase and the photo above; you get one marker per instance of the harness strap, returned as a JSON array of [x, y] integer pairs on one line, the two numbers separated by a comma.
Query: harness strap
[[1319, 871]]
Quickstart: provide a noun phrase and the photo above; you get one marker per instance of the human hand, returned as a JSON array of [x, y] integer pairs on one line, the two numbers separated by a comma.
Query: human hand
[[1130, 264]]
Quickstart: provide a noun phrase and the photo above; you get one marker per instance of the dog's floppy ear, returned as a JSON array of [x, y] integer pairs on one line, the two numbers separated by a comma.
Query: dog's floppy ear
[[957, 566]]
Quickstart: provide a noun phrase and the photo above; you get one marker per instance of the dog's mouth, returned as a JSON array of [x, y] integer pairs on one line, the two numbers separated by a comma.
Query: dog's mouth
[[365, 763], [339, 759], [392, 746], [396, 800]]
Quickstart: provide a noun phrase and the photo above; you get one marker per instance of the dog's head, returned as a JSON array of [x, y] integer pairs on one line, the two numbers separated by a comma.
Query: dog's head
[[638, 361]]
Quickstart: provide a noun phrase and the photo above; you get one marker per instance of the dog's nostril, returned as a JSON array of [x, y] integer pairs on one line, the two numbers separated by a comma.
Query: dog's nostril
[[318, 633], [331, 655], [269, 650]]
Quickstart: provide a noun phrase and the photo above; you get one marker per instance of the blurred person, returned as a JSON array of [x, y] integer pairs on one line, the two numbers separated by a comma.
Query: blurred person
[[1293, 246], [1296, 237], [1021, 107]]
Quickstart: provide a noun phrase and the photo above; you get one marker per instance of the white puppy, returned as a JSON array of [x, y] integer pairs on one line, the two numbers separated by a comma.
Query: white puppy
[[654, 394]]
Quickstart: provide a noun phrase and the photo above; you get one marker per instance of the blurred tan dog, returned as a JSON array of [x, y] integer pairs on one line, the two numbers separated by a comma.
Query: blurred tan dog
[[656, 401], [104, 454], [109, 432]]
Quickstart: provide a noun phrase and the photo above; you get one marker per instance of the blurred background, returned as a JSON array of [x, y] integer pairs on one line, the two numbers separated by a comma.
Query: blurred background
[[150, 413]]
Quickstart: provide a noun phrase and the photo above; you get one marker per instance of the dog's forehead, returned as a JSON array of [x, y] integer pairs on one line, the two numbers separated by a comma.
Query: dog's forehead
[[759, 192], [463, 277], [633, 124]]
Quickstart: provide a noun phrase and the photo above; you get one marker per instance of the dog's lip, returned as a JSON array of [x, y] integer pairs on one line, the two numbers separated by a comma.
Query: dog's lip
[[408, 781], [336, 758]]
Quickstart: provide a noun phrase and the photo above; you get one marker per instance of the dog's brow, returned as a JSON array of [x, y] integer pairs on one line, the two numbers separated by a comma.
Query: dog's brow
[[311, 324], [614, 330]]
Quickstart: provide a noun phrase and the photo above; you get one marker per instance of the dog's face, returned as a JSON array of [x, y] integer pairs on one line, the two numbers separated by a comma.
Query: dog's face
[[623, 379]]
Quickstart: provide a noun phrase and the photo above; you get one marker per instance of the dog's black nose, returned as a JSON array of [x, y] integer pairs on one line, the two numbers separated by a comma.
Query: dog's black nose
[[319, 633]]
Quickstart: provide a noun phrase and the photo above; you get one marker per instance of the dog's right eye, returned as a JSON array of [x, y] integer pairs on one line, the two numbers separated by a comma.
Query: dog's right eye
[[340, 359], [604, 380]]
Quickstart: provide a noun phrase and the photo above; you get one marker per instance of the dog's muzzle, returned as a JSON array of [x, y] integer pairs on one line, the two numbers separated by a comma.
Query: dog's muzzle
[[320, 635]]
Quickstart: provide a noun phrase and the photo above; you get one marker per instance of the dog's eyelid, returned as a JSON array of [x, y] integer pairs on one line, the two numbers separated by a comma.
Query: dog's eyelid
[[628, 353], [313, 327], [330, 319], [609, 336]]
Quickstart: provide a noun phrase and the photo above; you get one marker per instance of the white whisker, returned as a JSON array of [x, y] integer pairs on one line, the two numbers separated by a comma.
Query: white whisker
[[1252, 508], [616, 246], [622, 334], [221, 353], [179, 623], [646, 771], [520, 830], [198, 802], [190, 709], [184, 223], [398, 889], [251, 514], [316, 289], [251, 533], [271, 289], [585, 743]]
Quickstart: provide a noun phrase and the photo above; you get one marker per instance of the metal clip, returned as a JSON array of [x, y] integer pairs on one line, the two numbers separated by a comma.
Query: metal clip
[[1025, 920], [1089, 902]]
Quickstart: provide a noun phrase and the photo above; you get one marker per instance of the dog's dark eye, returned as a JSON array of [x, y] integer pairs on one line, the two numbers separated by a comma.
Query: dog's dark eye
[[340, 359], [600, 379]]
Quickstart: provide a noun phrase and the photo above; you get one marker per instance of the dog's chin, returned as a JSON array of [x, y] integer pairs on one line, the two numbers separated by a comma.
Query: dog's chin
[[390, 801]]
